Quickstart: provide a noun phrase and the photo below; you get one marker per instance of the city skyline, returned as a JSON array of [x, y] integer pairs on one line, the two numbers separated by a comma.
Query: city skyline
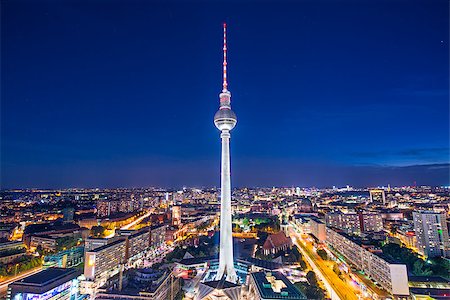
[[104, 102]]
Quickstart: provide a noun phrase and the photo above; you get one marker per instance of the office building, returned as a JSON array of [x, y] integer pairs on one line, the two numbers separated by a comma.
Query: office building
[[371, 222], [52, 283], [431, 233], [93, 243]]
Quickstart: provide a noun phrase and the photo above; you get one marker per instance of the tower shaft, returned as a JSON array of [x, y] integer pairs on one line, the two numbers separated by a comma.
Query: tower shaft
[[226, 261], [225, 120]]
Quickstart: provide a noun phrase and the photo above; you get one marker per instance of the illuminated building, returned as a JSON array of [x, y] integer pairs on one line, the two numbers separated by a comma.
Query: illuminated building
[[157, 236], [272, 286], [102, 263], [348, 222], [318, 229], [225, 120], [355, 223], [407, 237], [393, 277], [65, 259], [52, 283], [371, 222], [432, 233], [142, 284], [138, 242], [93, 243], [377, 196], [176, 215]]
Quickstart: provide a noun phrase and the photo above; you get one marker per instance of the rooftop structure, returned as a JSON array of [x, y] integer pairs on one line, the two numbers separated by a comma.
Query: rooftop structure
[[141, 284], [272, 286]]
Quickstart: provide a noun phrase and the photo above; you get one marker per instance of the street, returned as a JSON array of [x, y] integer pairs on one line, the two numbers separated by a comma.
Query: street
[[337, 288]]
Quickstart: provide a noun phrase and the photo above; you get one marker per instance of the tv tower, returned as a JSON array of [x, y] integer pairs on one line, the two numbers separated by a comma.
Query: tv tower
[[225, 120]]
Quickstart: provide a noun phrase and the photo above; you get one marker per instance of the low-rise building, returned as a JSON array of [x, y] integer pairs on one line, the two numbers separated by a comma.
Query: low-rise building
[[141, 284], [44, 242], [272, 286], [52, 283]]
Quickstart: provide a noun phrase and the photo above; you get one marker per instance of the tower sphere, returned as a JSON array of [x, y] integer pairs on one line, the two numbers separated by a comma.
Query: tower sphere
[[225, 119]]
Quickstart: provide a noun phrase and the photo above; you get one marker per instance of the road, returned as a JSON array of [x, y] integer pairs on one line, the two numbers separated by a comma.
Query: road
[[137, 221], [4, 284], [338, 289]]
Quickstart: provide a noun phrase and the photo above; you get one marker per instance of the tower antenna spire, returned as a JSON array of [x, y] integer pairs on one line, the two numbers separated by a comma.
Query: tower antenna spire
[[225, 83]]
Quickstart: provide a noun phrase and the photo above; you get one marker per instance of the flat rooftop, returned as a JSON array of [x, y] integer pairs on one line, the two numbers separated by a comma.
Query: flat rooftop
[[47, 276], [267, 291], [101, 248]]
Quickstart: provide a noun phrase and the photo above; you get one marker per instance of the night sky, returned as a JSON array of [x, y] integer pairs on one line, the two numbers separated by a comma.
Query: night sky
[[123, 93]]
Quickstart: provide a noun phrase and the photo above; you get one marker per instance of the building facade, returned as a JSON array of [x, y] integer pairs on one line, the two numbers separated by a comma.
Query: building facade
[[318, 229], [431, 233], [52, 283], [393, 277]]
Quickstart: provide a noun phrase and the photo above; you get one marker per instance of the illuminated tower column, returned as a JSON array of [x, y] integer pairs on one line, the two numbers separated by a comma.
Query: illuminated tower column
[[225, 120]]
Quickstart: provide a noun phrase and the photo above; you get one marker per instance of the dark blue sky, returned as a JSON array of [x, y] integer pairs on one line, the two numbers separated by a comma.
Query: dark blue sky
[[122, 93]]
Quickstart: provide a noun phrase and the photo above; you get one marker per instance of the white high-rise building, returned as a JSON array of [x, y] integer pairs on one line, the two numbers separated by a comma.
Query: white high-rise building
[[432, 233], [225, 120]]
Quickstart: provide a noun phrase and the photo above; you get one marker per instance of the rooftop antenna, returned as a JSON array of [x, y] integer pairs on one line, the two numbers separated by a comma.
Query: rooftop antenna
[[225, 84]]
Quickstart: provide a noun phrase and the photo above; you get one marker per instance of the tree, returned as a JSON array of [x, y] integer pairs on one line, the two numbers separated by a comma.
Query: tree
[[98, 231], [311, 292], [394, 229], [237, 228], [323, 254], [419, 270], [311, 277], [336, 269]]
